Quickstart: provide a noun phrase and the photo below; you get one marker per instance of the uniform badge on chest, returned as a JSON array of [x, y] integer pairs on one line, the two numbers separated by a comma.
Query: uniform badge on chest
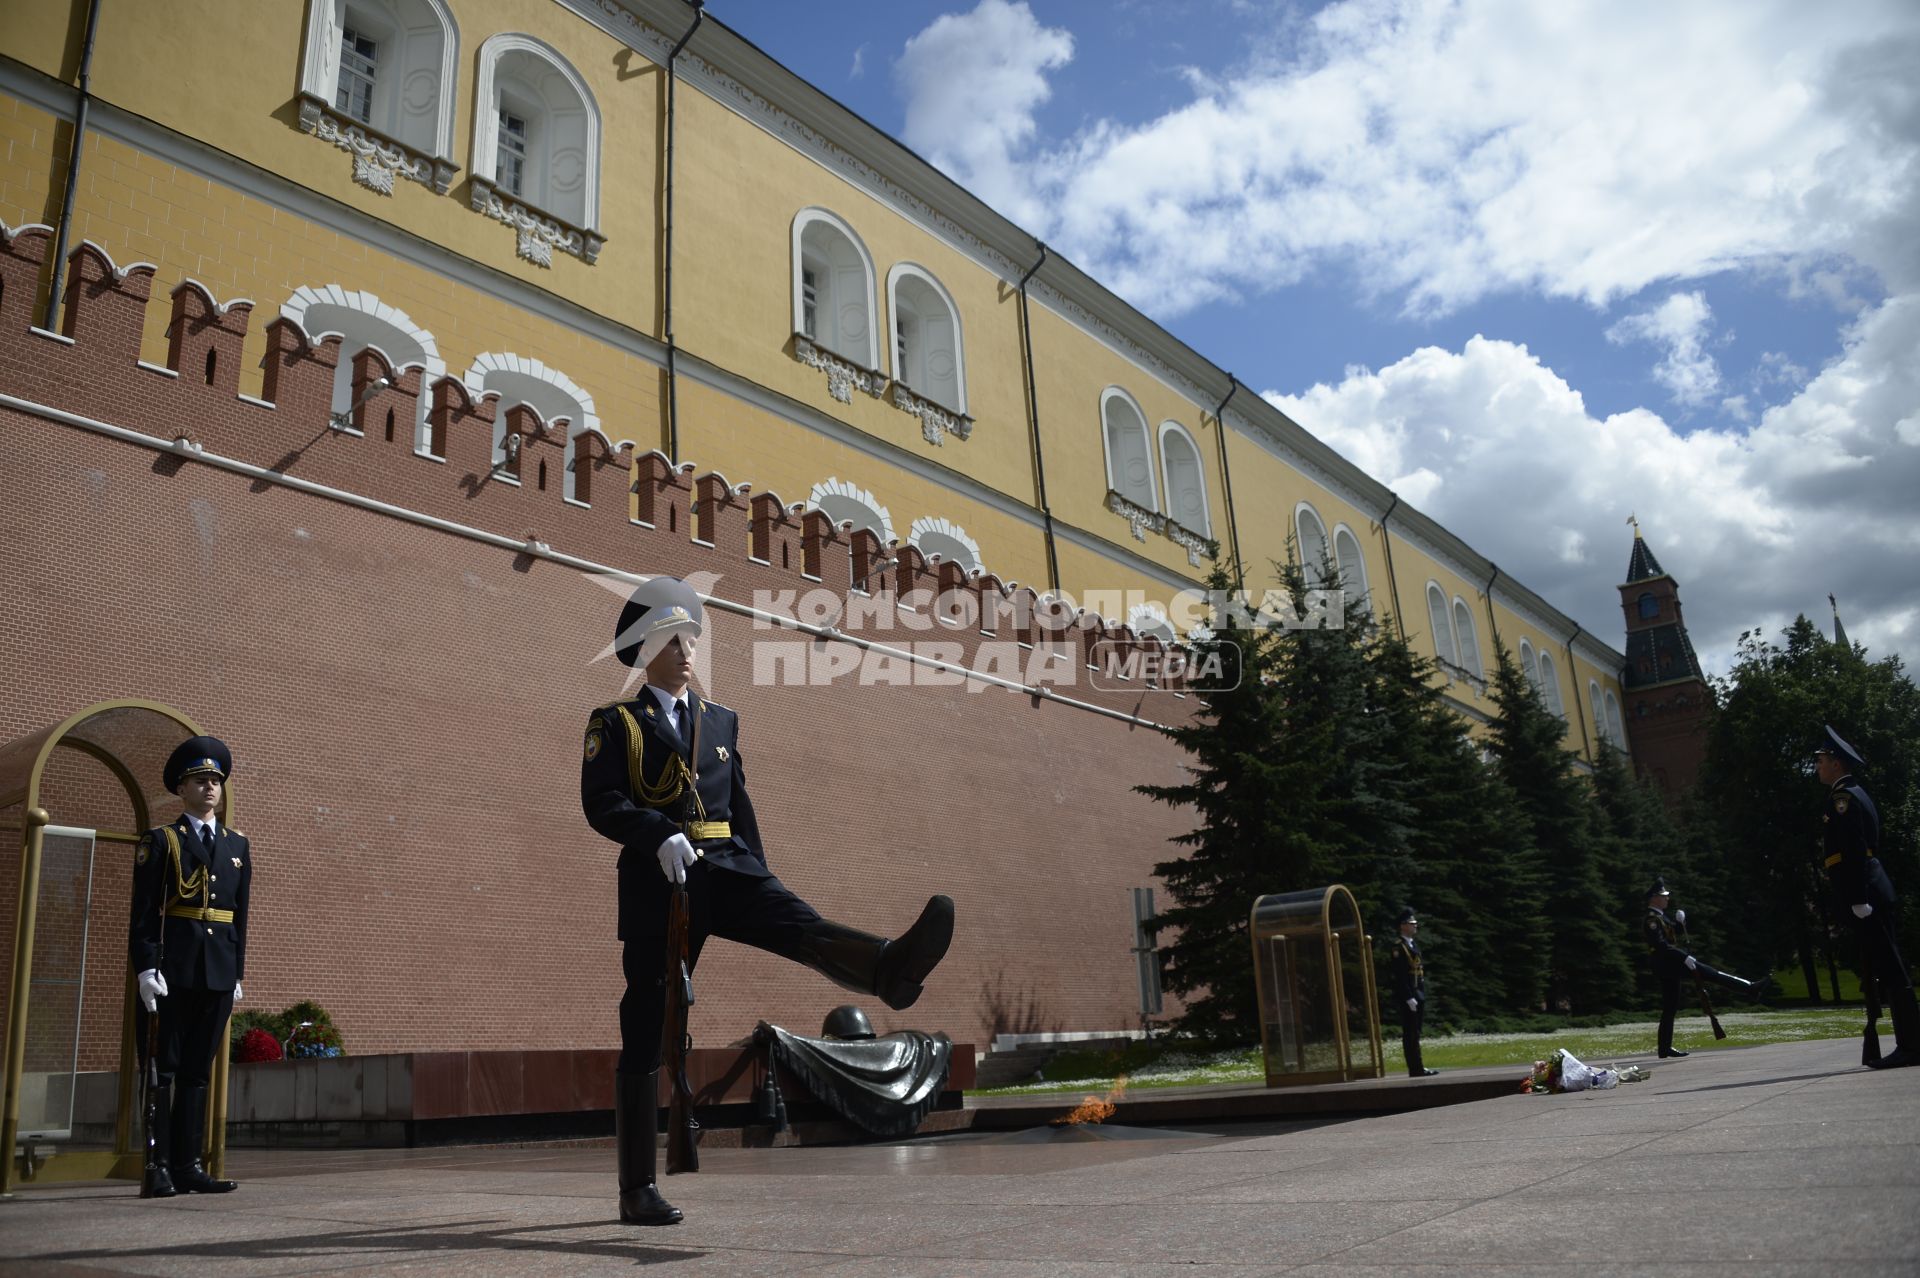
[[721, 753]]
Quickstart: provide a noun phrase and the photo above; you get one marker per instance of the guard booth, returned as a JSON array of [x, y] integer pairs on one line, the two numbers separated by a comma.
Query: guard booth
[[1313, 966], [74, 799]]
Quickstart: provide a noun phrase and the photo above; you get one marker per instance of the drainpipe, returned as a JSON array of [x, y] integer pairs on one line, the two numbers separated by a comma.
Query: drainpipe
[[1487, 590], [1386, 540], [1579, 698], [1033, 423], [1226, 483], [73, 172], [666, 291]]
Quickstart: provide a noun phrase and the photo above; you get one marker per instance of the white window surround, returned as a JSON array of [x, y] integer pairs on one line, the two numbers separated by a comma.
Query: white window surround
[[846, 503], [1310, 532], [1185, 479], [414, 93], [1151, 619], [362, 320], [1599, 712], [1467, 636], [845, 326], [1528, 666], [1440, 618], [1130, 475], [925, 376], [1615, 728], [561, 207], [515, 379], [1550, 685], [1351, 561], [934, 535]]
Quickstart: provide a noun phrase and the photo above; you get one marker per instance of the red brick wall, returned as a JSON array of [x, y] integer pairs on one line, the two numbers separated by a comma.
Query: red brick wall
[[406, 705]]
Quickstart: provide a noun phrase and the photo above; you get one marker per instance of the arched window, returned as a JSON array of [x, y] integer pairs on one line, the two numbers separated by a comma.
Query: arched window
[[846, 504], [1615, 727], [1186, 482], [387, 64], [1313, 544], [1129, 456], [1437, 616], [1649, 606], [1529, 667], [1549, 686], [363, 320], [833, 288], [1599, 709], [1352, 563], [936, 536], [536, 134], [548, 391], [927, 354], [1469, 641]]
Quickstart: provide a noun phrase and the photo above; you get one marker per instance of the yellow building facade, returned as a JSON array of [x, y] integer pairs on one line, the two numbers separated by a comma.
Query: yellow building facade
[[716, 261]]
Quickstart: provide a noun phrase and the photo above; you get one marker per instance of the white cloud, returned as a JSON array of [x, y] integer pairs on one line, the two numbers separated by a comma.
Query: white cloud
[[1446, 151], [859, 63], [972, 83], [1680, 324], [1817, 497]]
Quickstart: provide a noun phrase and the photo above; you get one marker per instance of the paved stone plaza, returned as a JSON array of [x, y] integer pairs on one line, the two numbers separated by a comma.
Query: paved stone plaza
[[1787, 1159]]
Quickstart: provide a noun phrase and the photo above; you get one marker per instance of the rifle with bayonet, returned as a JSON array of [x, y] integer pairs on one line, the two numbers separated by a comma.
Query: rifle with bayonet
[[683, 1132], [1706, 1003]]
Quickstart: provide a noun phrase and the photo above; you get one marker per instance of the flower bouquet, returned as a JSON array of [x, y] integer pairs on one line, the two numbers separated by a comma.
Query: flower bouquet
[[257, 1045], [311, 1039]]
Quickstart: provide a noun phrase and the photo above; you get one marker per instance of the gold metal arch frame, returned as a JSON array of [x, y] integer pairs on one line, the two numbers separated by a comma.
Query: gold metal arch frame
[[1313, 969], [23, 765]]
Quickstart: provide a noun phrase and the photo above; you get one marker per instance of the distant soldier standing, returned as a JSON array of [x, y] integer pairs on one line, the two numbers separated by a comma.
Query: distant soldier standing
[[1863, 894], [188, 940], [1410, 991], [1672, 964]]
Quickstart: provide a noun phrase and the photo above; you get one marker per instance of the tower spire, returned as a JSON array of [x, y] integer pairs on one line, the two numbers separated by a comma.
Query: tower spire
[[1839, 631]]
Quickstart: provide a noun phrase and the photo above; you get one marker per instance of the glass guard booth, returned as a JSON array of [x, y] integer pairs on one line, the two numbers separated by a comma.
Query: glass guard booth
[[1313, 965], [74, 800]]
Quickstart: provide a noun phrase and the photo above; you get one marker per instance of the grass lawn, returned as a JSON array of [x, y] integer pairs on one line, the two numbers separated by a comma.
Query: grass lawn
[[1160, 1064]]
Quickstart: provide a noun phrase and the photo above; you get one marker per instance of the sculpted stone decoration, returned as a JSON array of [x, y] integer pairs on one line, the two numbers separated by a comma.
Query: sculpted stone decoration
[[1192, 542], [540, 234], [934, 420], [377, 159], [1140, 517], [842, 376]]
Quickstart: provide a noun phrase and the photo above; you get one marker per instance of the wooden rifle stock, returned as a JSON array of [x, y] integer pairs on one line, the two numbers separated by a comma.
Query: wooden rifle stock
[[150, 1083], [1706, 1003], [683, 1154]]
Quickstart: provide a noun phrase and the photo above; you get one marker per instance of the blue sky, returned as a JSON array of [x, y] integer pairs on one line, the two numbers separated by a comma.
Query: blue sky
[[1534, 266]]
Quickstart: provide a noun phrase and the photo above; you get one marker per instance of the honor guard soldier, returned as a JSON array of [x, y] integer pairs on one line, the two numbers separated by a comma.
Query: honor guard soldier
[[1672, 963], [188, 941], [664, 779], [1863, 894], [1410, 991]]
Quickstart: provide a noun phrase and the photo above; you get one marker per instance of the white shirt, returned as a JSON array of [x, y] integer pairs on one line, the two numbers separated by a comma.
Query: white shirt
[[668, 701], [201, 829]]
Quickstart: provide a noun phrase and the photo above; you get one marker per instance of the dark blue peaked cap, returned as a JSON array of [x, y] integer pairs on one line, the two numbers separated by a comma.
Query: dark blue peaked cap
[[1837, 745], [201, 754]]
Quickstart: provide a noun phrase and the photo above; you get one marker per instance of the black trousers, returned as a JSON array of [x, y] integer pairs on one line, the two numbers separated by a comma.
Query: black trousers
[[1879, 936], [1670, 994], [758, 911], [192, 1026], [1410, 1023]]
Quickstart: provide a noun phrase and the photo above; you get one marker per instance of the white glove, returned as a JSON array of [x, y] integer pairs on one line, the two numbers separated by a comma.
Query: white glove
[[1691, 965], [237, 995], [676, 855], [153, 988], [1680, 916], [1413, 1005], [1861, 911]]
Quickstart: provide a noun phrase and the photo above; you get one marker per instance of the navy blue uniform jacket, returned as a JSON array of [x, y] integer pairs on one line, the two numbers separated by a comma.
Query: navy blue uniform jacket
[[614, 774], [192, 954]]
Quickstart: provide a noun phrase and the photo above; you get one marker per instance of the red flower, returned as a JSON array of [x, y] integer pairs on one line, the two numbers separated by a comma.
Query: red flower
[[258, 1045]]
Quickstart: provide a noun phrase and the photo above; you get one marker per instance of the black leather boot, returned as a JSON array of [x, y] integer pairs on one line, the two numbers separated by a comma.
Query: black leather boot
[[1905, 1015], [636, 1132], [189, 1132], [155, 1180], [907, 961]]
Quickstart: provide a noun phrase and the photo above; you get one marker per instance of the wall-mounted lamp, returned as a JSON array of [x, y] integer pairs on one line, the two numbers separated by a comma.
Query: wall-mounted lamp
[[344, 421], [509, 454]]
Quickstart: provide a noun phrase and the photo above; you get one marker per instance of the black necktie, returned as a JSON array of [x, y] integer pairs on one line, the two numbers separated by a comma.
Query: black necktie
[[206, 841], [680, 719]]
